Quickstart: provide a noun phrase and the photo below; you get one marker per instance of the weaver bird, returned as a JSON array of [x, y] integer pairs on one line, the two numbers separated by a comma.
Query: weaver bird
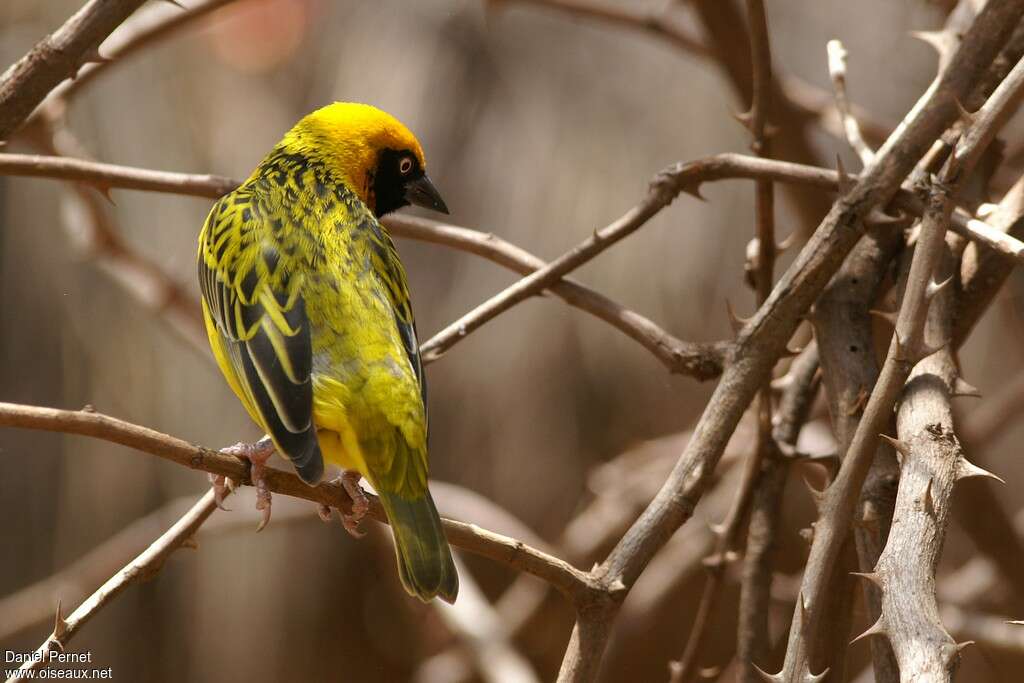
[[308, 314]]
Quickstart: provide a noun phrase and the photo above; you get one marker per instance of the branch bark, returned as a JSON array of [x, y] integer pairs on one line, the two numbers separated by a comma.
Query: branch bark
[[762, 341], [577, 585], [56, 57]]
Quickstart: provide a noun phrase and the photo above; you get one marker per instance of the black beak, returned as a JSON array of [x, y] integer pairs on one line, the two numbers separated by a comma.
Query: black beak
[[422, 192]]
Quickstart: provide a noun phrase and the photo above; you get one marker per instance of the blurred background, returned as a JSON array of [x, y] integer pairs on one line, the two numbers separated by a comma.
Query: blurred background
[[537, 127]]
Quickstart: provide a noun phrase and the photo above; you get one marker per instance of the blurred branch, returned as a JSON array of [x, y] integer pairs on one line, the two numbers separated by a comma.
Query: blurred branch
[[837, 71], [985, 629], [656, 23], [143, 567], [56, 57], [577, 585], [34, 603], [149, 26], [476, 623], [92, 230]]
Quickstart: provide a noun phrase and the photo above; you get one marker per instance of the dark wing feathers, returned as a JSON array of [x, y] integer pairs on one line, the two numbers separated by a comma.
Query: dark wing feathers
[[260, 314]]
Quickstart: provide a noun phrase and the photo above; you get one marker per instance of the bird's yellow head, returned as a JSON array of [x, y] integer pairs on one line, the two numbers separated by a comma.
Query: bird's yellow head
[[370, 151]]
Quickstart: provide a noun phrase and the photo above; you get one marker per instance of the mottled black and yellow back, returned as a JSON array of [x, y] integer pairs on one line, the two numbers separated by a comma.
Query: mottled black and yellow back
[[309, 316]]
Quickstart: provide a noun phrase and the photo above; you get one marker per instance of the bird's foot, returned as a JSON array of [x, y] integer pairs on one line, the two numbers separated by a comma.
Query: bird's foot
[[257, 454], [349, 480], [221, 489]]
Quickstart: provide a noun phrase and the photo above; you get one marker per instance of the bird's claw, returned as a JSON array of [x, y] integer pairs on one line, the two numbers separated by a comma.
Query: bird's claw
[[257, 454], [221, 489], [360, 504]]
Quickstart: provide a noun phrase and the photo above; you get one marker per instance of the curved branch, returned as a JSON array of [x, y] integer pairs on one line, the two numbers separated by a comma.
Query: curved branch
[[577, 585]]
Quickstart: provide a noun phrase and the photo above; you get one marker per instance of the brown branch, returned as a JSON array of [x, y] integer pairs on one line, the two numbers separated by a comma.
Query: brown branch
[[56, 57], [753, 638], [843, 328], [691, 175], [762, 270], [929, 467], [577, 585], [763, 340], [657, 24], [143, 567], [105, 176], [665, 187], [703, 361], [908, 346]]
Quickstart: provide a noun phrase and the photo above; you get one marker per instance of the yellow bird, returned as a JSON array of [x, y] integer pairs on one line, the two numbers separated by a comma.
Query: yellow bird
[[308, 314]]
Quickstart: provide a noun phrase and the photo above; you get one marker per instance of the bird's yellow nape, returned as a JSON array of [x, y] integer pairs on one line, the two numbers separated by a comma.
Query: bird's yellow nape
[[348, 138]]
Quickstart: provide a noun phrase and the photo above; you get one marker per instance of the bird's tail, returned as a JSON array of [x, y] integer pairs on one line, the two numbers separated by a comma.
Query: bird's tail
[[425, 562]]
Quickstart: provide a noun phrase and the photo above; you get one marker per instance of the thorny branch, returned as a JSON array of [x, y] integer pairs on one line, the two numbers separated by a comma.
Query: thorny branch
[[760, 269], [908, 346], [745, 366], [763, 340]]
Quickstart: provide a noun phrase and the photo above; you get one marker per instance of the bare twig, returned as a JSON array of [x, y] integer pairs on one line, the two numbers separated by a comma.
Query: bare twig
[[56, 57], [843, 327], [575, 584], [657, 23], [753, 638], [690, 174], [837, 71], [143, 567], [665, 187], [106, 176], [702, 361], [34, 603]]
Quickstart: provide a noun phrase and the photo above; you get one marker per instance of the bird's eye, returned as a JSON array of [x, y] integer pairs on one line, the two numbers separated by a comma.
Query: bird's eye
[[405, 165]]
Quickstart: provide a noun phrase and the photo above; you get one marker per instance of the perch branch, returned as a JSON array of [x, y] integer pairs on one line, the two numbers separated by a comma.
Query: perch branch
[[575, 584]]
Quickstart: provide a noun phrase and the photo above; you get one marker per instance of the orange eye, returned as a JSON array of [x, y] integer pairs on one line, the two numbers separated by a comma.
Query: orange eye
[[405, 165]]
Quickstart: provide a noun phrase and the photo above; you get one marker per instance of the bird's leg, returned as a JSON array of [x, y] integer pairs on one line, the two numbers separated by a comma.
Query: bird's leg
[[257, 454], [349, 480]]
